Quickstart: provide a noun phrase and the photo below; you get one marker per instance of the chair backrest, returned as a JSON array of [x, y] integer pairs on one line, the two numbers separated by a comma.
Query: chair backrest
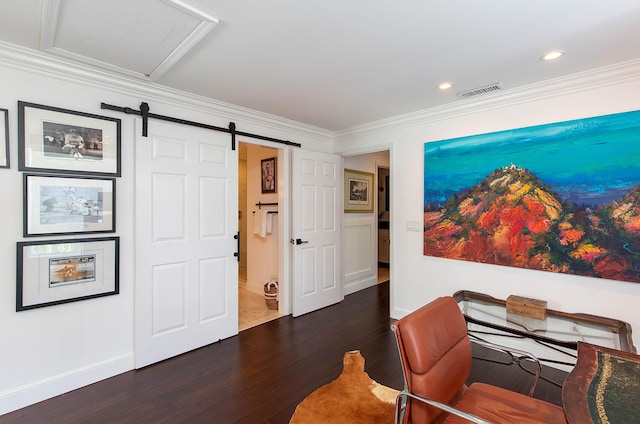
[[436, 355]]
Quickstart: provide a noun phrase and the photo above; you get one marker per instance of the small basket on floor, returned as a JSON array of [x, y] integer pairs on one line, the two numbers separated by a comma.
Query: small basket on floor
[[271, 294]]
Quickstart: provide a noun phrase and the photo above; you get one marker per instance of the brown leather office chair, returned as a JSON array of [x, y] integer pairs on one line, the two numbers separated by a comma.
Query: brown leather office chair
[[435, 351]]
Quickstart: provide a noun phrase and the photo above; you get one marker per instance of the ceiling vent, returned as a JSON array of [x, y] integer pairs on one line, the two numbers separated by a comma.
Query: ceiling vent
[[480, 91]]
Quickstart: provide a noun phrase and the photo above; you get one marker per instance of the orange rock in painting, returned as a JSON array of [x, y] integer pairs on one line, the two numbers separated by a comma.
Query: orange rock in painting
[[511, 218]]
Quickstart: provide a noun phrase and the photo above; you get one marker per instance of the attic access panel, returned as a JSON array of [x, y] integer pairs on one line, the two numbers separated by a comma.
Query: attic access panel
[[142, 38]]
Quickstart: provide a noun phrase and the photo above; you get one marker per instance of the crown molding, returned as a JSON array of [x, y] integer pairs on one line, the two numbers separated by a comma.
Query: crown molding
[[618, 73], [45, 64]]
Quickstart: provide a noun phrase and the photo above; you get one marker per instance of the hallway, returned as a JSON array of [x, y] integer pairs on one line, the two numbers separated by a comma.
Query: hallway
[[383, 274]]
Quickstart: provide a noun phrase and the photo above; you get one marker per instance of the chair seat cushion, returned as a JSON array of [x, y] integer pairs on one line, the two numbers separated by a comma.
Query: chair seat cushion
[[498, 405]]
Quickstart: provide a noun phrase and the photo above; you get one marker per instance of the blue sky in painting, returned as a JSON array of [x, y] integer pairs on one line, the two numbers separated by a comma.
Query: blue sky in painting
[[587, 161]]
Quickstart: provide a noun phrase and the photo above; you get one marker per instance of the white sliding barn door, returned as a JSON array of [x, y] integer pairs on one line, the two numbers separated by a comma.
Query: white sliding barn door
[[317, 213], [186, 272]]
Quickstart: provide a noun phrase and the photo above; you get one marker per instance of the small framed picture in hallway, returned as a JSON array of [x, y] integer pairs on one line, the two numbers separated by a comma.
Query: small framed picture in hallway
[[358, 186]]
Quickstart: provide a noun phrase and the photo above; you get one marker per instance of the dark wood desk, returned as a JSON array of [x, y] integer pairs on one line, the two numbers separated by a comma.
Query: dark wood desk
[[603, 387]]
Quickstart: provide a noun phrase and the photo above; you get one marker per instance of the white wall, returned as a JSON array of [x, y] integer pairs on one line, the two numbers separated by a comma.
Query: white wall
[[360, 246], [48, 351], [417, 279], [75, 342]]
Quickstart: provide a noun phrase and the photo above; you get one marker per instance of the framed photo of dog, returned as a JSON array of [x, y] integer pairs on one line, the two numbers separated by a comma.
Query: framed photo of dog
[[52, 139]]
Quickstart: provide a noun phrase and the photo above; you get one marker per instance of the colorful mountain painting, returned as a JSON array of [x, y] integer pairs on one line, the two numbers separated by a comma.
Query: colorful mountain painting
[[561, 197]]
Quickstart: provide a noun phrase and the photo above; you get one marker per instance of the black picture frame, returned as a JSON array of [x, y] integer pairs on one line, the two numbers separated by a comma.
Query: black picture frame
[[268, 172], [66, 204], [4, 139], [54, 272], [56, 140]]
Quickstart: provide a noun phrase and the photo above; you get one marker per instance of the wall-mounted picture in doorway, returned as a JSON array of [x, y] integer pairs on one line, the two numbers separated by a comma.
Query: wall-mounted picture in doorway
[[358, 191], [268, 171]]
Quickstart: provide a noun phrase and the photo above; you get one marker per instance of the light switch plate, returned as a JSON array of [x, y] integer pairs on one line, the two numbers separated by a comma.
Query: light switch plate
[[413, 226]]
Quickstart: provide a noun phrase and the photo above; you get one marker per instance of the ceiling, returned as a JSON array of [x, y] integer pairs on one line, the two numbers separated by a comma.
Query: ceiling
[[331, 64]]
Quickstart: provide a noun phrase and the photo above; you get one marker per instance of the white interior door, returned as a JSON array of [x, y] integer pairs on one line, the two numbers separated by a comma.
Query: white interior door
[[186, 273], [317, 212]]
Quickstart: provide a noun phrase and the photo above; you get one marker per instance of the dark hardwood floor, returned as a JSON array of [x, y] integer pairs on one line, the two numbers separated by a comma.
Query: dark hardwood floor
[[258, 376]]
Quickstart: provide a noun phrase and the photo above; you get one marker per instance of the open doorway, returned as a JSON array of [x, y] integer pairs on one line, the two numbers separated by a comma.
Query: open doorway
[[259, 236], [367, 260]]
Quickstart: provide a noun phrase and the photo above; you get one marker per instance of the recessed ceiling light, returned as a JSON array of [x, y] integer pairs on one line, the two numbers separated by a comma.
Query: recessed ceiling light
[[445, 86], [552, 55]]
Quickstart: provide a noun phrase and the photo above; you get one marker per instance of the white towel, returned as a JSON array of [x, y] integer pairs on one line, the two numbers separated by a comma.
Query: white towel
[[269, 223], [261, 220]]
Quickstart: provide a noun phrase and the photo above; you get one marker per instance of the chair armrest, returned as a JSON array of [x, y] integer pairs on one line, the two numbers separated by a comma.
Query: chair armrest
[[440, 405], [521, 354]]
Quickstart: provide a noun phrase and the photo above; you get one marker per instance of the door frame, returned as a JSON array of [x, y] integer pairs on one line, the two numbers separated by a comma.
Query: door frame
[[387, 188], [284, 228]]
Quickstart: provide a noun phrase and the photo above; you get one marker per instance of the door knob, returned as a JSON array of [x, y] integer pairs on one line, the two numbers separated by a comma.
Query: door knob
[[298, 241]]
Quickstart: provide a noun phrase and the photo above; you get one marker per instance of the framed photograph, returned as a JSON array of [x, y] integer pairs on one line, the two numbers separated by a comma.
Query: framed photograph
[[64, 141], [4, 138], [269, 181], [62, 271], [358, 191], [57, 205]]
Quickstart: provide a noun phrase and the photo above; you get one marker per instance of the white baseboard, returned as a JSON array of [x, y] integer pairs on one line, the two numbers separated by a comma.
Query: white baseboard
[[398, 313], [357, 285], [38, 391]]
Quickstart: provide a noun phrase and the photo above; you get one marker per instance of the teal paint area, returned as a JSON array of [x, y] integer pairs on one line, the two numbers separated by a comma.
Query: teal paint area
[[588, 162]]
